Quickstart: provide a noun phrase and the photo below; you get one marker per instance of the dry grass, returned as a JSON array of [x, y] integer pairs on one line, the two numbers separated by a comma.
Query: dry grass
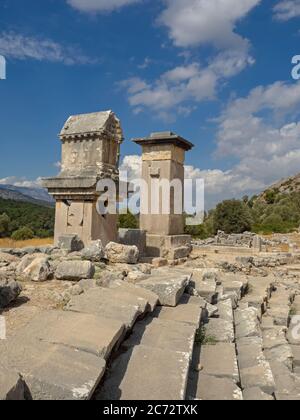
[[9, 243]]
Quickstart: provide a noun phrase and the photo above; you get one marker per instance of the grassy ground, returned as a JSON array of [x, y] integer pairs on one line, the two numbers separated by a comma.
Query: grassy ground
[[9, 243]]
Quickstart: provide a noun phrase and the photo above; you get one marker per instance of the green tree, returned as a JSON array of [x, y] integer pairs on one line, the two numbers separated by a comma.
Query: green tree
[[128, 221], [233, 216], [22, 234], [4, 224]]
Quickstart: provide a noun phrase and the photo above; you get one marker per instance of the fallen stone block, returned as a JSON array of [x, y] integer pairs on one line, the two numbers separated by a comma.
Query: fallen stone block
[[9, 291], [169, 289], [159, 262], [118, 253], [220, 361], [74, 270], [86, 332], [93, 252], [211, 388], [38, 270], [12, 386], [219, 330]]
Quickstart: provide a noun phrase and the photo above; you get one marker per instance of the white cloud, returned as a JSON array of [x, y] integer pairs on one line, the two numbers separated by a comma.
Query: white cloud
[[21, 182], [22, 47], [184, 85], [99, 5], [287, 9], [196, 22]]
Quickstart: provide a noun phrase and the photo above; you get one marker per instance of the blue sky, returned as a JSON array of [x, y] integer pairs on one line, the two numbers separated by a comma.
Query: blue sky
[[217, 72]]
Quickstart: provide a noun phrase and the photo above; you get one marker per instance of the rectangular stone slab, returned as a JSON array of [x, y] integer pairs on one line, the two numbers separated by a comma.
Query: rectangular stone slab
[[107, 306], [149, 296], [53, 372], [168, 288], [211, 388], [148, 374], [87, 332], [164, 334], [186, 312], [220, 361]]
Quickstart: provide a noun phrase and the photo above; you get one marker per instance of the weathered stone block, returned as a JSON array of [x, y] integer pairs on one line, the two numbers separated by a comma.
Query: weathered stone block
[[75, 270], [94, 251], [133, 237], [9, 291], [71, 243], [118, 253]]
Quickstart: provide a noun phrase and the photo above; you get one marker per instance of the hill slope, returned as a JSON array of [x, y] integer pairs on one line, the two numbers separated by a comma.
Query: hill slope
[[40, 219], [37, 196]]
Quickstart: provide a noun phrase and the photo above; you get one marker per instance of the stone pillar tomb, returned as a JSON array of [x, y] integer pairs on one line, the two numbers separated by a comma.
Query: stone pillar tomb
[[163, 158], [90, 152]]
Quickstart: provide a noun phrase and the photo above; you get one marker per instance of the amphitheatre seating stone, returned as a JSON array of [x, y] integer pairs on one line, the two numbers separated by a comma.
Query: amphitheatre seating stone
[[220, 361], [111, 304], [287, 384], [219, 330], [163, 334], [147, 373], [86, 332], [256, 394], [53, 372], [189, 311], [211, 388], [140, 292], [247, 323], [225, 310]]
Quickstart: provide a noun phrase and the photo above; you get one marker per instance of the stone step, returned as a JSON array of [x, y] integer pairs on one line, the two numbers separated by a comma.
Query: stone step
[[86, 332], [12, 386], [287, 384], [219, 331], [219, 361], [247, 323], [225, 310], [255, 371], [151, 297], [109, 303], [163, 334], [53, 372], [189, 311], [169, 288], [147, 373], [211, 388]]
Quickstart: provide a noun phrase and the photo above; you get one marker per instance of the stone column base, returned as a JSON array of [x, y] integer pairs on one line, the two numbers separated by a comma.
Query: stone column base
[[171, 247]]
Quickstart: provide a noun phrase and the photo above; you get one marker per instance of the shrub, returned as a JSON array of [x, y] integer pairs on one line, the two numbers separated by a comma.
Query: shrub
[[22, 234], [232, 216], [128, 221], [4, 224]]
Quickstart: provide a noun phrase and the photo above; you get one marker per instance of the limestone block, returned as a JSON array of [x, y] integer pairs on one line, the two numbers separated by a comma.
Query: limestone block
[[118, 253], [74, 270], [9, 291], [220, 330], [94, 251], [71, 243], [220, 361], [168, 288], [256, 394], [189, 311], [211, 388], [39, 270], [133, 237]]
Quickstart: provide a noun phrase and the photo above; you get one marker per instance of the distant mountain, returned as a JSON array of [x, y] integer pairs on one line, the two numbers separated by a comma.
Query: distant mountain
[[38, 196]]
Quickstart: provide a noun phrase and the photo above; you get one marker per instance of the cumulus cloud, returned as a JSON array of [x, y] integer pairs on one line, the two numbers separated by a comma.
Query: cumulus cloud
[[184, 85], [287, 9], [99, 5], [196, 22], [21, 182], [21, 47]]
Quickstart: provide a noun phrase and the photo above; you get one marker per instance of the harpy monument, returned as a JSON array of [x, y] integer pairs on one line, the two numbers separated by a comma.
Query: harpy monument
[[90, 153]]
